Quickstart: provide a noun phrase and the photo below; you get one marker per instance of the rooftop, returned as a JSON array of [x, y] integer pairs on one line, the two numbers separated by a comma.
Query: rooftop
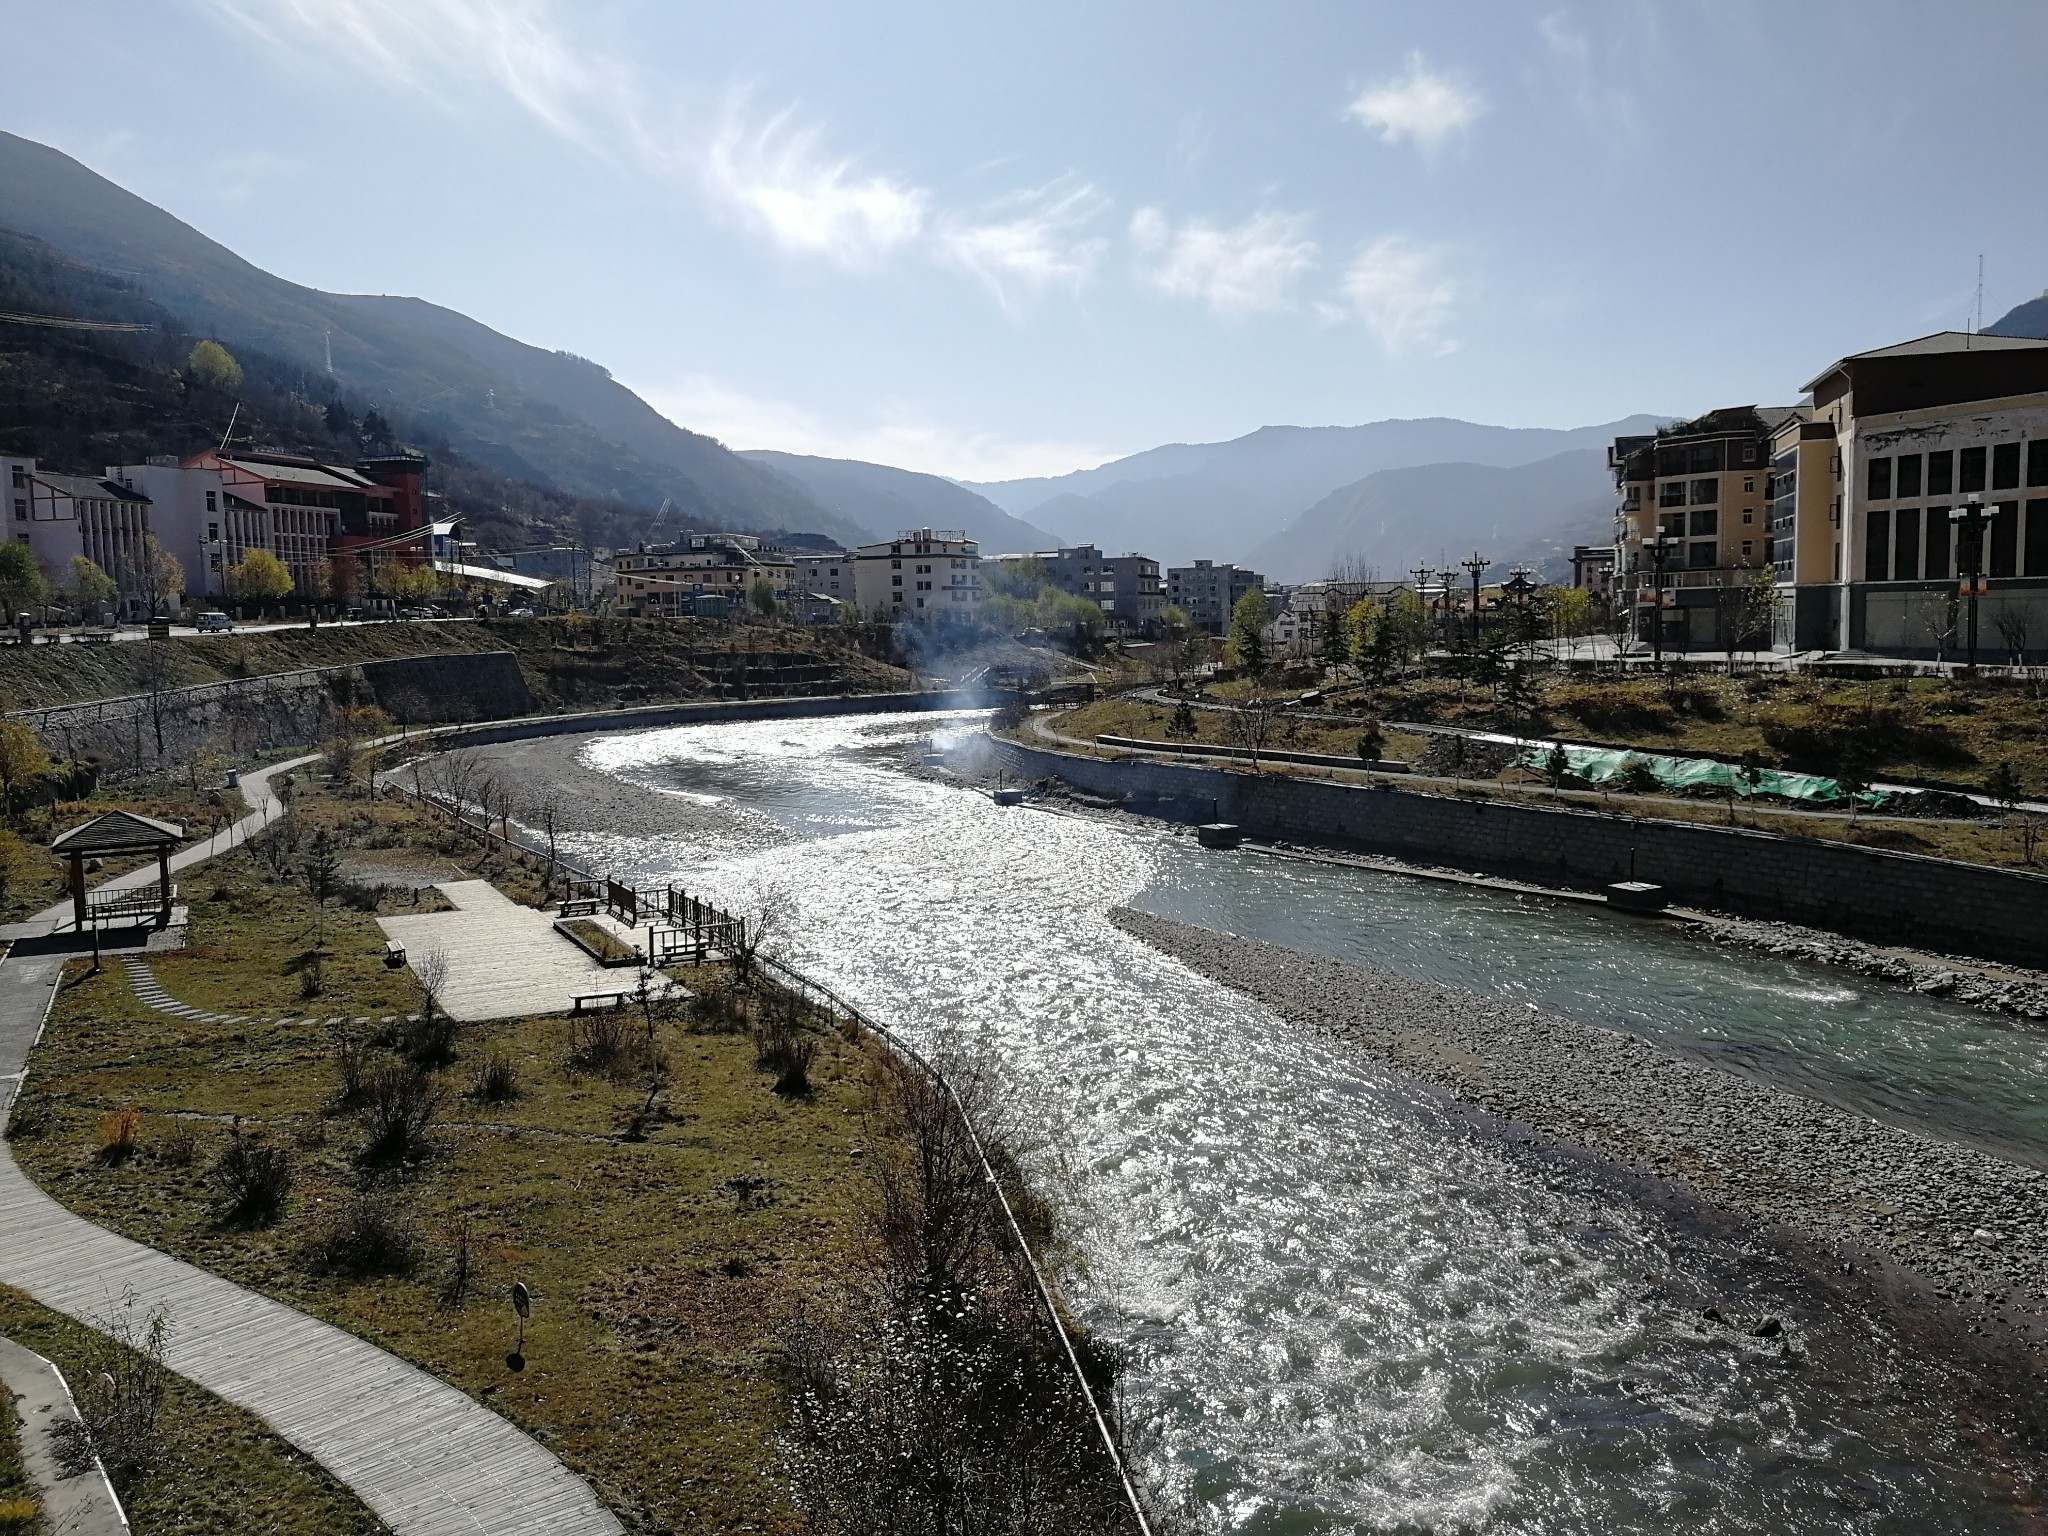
[[118, 832]]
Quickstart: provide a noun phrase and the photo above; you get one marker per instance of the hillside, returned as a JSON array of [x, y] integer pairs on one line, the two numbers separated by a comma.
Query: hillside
[[556, 420], [2028, 319], [1224, 500], [79, 400], [1436, 513], [882, 500]]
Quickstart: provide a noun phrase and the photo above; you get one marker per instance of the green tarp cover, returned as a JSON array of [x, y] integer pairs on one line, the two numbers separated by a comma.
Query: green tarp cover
[[1604, 765]]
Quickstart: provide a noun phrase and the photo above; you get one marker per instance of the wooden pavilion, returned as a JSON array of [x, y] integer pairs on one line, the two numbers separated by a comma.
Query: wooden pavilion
[[110, 836]]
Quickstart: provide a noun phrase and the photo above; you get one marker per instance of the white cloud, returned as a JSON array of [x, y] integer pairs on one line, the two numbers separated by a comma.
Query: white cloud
[[1422, 106], [515, 47], [808, 202], [898, 434], [1029, 241], [1400, 291], [1240, 270], [1607, 108]]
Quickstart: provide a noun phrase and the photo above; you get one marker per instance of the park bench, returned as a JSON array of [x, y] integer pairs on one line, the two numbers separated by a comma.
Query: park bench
[[580, 906], [394, 954], [590, 1002], [95, 636]]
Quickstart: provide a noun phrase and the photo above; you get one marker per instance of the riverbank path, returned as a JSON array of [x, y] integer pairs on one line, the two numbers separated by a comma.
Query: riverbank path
[[423, 1456]]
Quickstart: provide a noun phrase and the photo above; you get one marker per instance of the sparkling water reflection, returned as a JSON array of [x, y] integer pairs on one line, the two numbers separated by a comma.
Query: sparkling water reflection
[[1348, 1313]]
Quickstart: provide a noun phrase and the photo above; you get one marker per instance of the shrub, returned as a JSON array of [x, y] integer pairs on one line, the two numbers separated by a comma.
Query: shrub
[[29, 1120], [787, 1051], [617, 1045], [17, 1515], [427, 1039], [352, 1069], [1833, 734], [120, 1393], [371, 1235], [398, 1105], [176, 1148], [718, 1009], [361, 896], [119, 1133], [254, 1181], [496, 1082]]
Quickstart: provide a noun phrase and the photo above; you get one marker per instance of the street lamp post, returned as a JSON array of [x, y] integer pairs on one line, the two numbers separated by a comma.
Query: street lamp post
[[1518, 589], [1971, 519], [1659, 546], [1475, 563]]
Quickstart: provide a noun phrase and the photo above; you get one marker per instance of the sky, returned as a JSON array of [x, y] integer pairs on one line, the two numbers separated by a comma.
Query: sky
[[1002, 238]]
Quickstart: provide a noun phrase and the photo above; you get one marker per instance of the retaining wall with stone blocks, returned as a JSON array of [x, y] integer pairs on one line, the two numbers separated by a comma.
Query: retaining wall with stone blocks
[[1873, 893]]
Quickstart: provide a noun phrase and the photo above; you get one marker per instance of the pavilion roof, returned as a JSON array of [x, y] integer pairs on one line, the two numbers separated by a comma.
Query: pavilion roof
[[118, 832]]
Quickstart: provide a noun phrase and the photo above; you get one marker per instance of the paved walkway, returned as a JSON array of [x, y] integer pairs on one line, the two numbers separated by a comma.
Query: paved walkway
[[423, 1456], [83, 1503], [505, 960]]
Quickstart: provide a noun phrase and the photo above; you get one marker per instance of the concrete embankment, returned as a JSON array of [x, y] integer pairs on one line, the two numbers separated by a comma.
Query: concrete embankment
[[1973, 1225], [1889, 897]]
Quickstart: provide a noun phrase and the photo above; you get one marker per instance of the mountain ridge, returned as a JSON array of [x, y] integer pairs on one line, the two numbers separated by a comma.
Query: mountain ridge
[[882, 498]]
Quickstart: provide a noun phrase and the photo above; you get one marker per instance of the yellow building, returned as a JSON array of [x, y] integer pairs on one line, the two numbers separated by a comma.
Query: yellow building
[[710, 574]]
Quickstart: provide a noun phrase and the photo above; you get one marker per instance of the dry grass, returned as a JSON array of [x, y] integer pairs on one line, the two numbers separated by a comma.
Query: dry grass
[[668, 1239], [221, 1472]]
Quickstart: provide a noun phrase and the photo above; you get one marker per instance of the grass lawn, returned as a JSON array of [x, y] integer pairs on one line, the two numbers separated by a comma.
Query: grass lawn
[[665, 1269], [222, 1471], [1135, 717]]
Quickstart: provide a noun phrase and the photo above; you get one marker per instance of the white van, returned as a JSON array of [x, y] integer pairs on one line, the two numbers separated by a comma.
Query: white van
[[215, 623]]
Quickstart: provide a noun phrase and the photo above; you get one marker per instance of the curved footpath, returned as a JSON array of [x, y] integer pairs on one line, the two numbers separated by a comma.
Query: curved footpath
[[424, 1457]]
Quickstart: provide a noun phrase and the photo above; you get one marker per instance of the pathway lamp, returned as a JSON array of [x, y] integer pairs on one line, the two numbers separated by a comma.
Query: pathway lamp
[[1474, 564], [1970, 520], [1659, 545]]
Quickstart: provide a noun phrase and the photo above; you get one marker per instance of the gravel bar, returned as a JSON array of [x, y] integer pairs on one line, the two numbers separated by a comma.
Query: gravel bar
[[1972, 1224]]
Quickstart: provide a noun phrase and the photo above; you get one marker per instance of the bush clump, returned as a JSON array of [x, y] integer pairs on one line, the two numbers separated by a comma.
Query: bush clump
[[371, 1235], [254, 1181], [398, 1106], [495, 1082]]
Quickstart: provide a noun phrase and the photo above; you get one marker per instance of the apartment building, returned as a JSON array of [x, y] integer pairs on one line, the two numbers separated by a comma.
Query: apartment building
[[1127, 588], [1206, 591], [1894, 441], [1692, 523], [62, 516], [926, 574], [707, 574], [825, 574]]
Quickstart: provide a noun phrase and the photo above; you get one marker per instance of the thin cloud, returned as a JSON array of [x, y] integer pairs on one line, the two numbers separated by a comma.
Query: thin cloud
[[780, 179], [1608, 109], [1425, 107], [1237, 270], [1402, 293], [899, 435], [1029, 241]]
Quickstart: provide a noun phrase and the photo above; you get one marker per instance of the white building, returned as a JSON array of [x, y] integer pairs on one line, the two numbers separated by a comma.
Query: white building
[[60, 517], [824, 575], [931, 574]]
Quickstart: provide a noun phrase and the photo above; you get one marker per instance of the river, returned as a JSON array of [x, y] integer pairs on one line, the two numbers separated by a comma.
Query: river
[[1346, 1310]]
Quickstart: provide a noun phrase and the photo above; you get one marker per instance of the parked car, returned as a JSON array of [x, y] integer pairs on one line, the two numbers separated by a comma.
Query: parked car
[[213, 623], [518, 613]]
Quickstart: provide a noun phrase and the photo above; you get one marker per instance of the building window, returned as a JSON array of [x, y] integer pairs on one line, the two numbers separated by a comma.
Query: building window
[[1906, 482], [1970, 471], [2037, 461], [895, 581], [21, 509], [2037, 538], [1906, 544], [210, 497], [1705, 492], [1941, 474], [1877, 546], [1748, 516], [1746, 545], [2005, 467], [1703, 555], [1880, 487], [1938, 529], [1705, 520], [2005, 534], [1671, 495]]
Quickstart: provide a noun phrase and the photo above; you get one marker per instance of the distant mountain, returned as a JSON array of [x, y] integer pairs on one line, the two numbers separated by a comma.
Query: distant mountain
[[881, 500], [1438, 513], [548, 417], [2028, 319], [1223, 500]]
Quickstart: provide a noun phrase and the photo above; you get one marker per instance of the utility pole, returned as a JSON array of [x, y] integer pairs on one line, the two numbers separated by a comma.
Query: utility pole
[[1475, 563], [1658, 545]]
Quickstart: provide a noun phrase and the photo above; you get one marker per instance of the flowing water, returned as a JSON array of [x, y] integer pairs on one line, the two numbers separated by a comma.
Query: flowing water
[[1347, 1312]]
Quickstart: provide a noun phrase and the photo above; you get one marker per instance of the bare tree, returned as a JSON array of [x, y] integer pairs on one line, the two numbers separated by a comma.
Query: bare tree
[[2013, 629], [1250, 724], [430, 975], [1940, 613], [545, 813], [761, 928]]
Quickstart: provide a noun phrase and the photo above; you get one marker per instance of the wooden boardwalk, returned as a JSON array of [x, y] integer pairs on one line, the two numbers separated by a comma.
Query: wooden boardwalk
[[423, 1456]]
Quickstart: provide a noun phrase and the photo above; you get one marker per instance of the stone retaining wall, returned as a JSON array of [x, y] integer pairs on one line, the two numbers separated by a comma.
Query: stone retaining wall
[[1888, 897]]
